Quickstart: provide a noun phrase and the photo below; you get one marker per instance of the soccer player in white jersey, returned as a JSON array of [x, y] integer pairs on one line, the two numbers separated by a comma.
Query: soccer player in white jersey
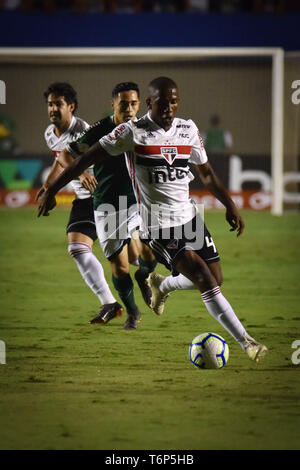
[[162, 146], [61, 99]]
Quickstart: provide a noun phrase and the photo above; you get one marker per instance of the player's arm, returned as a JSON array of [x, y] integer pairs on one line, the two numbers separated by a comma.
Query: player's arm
[[93, 154], [215, 186], [88, 181], [54, 173]]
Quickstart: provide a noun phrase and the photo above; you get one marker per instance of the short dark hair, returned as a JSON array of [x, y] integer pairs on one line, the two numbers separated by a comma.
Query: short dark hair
[[162, 82], [62, 89], [125, 86]]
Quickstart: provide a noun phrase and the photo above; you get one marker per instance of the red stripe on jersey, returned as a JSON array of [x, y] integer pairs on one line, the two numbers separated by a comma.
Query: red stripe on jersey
[[131, 168], [156, 149], [138, 196], [137, 190], [55, 153], [136, 186], [129, 165]]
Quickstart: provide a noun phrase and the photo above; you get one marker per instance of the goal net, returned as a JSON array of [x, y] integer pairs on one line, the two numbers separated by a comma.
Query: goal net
[[235, 96]]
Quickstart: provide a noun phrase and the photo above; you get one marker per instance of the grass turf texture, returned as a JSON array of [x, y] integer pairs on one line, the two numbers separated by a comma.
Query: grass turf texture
[[71, 385]]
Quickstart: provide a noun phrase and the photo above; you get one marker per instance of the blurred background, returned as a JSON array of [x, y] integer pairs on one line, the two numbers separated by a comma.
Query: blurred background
[[229, 98], [136, 6]]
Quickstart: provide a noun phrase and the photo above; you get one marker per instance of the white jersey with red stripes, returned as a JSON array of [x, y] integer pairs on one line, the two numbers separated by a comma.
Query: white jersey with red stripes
[[57, 144], [158, 162]]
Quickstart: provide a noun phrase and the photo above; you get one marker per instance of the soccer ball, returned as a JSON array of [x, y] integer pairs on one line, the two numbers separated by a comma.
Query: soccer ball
[[209, 351]]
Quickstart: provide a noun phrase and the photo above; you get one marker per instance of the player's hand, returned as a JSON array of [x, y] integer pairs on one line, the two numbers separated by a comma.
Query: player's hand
[[88, 181], [235, 220], [47, 202], [39, 193]]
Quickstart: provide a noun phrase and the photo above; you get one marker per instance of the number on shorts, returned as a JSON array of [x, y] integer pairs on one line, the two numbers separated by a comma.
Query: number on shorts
[[210, 242]]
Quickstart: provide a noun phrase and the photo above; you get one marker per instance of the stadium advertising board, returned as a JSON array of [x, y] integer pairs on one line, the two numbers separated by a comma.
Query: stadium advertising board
[[247, 177]]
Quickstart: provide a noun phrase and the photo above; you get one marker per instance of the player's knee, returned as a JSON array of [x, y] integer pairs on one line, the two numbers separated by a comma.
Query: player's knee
[[198, 278], [204, 279], [198, 281], [216, 272], [205, 284], [146, 253], [219, 279], [120, 270]]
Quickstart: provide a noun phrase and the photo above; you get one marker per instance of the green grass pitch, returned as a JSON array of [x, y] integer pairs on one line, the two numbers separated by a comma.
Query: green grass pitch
[[67, 384]]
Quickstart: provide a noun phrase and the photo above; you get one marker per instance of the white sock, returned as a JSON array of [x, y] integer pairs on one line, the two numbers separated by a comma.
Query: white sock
[[222, 311], [172, 283], [91, 270]]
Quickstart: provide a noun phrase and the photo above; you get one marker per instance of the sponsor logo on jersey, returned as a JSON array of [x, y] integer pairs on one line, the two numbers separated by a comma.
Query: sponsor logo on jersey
[[165, 175], [169, 153], [120, 129]]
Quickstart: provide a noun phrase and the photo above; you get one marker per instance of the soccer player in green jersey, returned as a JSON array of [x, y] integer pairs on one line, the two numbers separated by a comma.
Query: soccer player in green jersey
[[112, 198]]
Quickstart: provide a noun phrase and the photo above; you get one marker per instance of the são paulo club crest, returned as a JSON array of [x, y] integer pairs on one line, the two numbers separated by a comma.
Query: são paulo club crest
[[169, 153]]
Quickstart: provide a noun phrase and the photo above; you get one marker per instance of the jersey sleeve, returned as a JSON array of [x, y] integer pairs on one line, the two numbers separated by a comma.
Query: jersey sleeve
[[198, 152], [86, 139], [119, 140], [47, 136]]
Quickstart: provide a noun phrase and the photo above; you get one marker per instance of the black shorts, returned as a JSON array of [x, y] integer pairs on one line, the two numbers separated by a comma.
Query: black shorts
[[172, 241], [82, 218]]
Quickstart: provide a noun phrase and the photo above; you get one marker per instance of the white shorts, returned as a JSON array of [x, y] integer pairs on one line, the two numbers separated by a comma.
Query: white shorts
[[115, 229]]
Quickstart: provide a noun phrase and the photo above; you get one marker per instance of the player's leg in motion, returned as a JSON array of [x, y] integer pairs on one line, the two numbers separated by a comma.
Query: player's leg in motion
[[147, 263], [133, 253], [169, 284], [80, 248], [162, 286], [191, 265], [124, 286]]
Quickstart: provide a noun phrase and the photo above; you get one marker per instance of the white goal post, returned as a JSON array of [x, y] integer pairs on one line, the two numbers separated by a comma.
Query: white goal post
[[163, 54]]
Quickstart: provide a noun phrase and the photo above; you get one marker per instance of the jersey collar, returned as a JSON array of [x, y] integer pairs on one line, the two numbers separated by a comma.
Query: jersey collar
[[72, 124], [160, 129]]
